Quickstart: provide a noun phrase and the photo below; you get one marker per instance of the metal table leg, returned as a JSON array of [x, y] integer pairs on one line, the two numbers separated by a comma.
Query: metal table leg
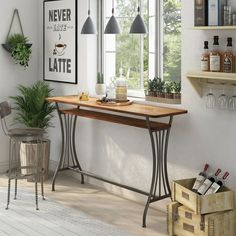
[[159, 144], [68, 156]]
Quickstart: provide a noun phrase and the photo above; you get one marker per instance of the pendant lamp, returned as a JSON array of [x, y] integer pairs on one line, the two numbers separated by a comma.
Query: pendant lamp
[[88, 27], [138, 26], [112, 25]]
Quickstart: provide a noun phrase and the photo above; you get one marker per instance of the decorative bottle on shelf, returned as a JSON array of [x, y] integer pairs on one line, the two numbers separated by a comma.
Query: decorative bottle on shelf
[[200, 178], [215, 57], [228, 58], [121, 87], [215, 187], [205, 59], [208, 182]]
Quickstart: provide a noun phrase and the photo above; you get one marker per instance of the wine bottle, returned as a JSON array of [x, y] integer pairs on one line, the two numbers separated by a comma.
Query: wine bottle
[[208, 182], [205, 58], [228, 58], [215, 57], [200, 178], [217, 185]]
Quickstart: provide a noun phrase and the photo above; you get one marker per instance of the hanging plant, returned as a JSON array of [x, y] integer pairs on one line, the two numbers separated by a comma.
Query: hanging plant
[[19, 48], [18, 45]]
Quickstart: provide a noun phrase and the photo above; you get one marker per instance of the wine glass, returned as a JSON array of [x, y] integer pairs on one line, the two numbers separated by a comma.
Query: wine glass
[[222, 99], [232, 99], [210, 99]]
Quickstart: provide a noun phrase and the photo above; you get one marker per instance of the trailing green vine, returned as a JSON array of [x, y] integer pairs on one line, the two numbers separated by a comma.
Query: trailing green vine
[[20, 49]]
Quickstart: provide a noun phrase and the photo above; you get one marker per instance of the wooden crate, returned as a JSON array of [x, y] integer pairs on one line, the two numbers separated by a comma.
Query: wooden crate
[[221, 201], [181, 221]]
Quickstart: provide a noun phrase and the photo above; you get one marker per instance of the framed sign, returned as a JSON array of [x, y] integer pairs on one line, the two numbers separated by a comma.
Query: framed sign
[[60, 41]]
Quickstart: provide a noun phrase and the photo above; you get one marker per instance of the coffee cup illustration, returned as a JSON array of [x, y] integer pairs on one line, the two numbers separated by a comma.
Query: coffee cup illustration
[[60, 48]]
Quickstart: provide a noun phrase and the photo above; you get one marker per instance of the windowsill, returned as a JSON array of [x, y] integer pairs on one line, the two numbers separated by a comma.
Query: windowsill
[[141, 100]]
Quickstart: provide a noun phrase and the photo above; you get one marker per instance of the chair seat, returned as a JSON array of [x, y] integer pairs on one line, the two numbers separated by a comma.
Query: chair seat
[[25, 132]]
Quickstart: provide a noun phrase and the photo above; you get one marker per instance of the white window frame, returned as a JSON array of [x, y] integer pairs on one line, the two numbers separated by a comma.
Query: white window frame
[[158, 42]]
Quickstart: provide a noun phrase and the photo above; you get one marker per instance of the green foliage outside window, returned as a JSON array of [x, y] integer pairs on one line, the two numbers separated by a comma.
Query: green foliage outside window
[[172, 40], [128, 46]]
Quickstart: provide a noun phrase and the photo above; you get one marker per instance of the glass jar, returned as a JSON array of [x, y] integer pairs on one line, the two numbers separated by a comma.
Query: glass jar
[[121, 90]]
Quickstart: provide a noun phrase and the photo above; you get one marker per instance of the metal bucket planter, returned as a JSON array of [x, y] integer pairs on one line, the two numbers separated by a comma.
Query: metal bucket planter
[[28, 155]]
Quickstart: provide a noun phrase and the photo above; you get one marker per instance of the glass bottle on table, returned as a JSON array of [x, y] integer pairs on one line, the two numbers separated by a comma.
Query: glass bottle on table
[[208, 182], [121, 87], [216, 186], [200, 178], [215, 56], [112, 89], [228, 57]]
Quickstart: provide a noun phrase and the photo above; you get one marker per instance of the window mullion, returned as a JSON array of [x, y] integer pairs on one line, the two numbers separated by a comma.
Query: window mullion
[[141, 62], [159, 39], [100, 38]]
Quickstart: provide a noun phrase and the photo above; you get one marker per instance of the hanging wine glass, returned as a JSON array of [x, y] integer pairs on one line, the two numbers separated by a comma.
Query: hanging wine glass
[[210, 99], [222, 100], [232, 99]]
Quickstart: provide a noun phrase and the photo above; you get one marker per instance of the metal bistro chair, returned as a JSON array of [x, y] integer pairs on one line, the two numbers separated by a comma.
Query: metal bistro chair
[[29, 166]]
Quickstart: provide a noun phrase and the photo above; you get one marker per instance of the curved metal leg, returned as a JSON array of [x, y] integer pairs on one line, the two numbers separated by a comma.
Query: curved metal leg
[[36, 194], [15, 189], [159, 144], [154, 174], [42, 190], [165, 157], [8, 193], [74, 150], [62, 150], [68, 153]]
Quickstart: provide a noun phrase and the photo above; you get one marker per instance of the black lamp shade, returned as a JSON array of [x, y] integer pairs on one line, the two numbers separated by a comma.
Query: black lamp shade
[[112, 26], [138, 26], [88, 27]]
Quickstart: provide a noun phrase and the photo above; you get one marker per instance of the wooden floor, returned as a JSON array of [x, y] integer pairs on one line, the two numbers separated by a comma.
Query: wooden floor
[[104, 206]]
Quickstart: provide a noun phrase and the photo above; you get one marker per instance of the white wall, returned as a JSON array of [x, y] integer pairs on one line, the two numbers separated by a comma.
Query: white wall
[[12, 74]]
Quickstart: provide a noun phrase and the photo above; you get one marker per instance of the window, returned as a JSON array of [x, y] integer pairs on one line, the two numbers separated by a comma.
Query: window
[[142, 57]]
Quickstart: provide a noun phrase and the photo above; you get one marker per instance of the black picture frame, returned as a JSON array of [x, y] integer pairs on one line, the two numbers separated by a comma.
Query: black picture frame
[[60, 41]]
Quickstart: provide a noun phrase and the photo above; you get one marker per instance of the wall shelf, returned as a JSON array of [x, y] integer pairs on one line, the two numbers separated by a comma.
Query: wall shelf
[[231, 27], [198, 79]]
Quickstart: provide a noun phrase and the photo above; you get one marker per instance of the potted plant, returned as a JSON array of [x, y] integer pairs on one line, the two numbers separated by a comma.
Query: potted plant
[[33, 110], [168, 87], [150, 87], [177, 89], [159, 87], [19, 48], [100, 87]]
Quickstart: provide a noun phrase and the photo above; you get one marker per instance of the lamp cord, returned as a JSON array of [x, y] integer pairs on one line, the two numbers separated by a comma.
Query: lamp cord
[[89, 8]]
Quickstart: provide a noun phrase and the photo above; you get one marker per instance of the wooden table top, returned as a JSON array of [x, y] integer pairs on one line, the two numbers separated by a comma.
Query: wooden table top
[[134, 109]]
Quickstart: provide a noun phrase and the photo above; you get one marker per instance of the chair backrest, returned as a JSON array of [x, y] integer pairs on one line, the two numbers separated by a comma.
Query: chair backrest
[[5, 109]]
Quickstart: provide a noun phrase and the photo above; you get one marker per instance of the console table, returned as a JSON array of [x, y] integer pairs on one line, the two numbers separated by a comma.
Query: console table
[[159, 134]]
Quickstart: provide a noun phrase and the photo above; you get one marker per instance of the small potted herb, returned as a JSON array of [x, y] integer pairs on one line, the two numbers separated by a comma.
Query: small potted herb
[[100, 87], [160, 87], [19, 47], [177, 89], [151, 88], [168, 87]]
